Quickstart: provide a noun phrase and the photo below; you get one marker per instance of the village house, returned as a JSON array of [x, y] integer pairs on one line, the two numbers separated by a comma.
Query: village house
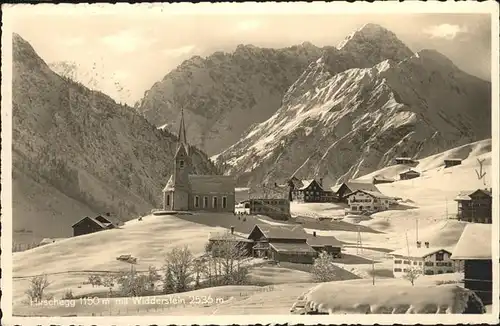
[[405, 161], [473, 250], [329, 245], [282, 243], [93, 224], [427, 260], [475, 206], [408, 175], [452, 162], [349, 187], [370, 201], [186, 191], [276, 208], [243, 244], [310, 191]]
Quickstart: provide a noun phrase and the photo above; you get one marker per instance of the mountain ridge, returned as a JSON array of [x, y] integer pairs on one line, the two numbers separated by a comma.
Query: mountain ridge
[[77, 152]]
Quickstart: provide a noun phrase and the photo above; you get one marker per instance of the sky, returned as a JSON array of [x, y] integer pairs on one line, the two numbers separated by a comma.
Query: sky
[[127, 53]]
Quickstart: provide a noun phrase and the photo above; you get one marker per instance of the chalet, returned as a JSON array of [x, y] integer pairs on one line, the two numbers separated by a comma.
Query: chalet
[[328, 244], [310, 191], [380, 179], [187, 191], [475, 206], [92, 224], [474, 250], [349, 187], [282, 243], [236, 241], [408, 175], [405, 161], [277, 208], [370, 201], [452, 162], [428, 260]]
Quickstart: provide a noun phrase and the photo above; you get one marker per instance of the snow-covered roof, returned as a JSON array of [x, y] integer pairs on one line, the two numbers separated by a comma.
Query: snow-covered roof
[[374, 194], [416, 252], [344, 297], [474, 243], [207, 184], [170, 184], [291, 247], [466, 194], [282, 231], [410, 171], [218, 236], [315, 241], [102, 225]]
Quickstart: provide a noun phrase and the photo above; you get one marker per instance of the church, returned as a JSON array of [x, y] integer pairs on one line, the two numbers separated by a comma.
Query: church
[[186, 191]]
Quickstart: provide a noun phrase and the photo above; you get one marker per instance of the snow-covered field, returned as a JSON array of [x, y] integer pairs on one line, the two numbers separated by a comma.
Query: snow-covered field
[[150, 240]]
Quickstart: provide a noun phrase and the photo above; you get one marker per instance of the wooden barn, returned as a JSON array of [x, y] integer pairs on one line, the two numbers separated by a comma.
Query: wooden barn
[[474, 250], [408, 175], [349, 187], [452, 162], [475, 206], [282, 243], [381, 180], [405, 161], [328, 244], [92, 224]]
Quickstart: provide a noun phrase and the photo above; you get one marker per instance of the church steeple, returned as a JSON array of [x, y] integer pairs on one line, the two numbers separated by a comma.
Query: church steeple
[[181, 136]]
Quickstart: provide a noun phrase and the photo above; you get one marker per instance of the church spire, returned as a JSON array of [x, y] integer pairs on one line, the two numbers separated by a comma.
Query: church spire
[[181, 136]]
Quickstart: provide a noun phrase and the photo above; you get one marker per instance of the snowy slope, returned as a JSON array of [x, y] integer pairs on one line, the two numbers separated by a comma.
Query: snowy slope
[[336, 123]]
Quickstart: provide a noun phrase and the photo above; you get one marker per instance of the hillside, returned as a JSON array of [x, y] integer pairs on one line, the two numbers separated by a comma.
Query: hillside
[[224, 93], [339, 125], [431, 197], [76, 152]]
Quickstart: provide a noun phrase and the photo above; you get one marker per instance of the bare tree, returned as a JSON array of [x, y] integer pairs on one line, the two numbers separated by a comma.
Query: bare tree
[[323, 269], [109, 282], [178, 268], [38, 284], [412, 274], [227, 261], [480, 173]]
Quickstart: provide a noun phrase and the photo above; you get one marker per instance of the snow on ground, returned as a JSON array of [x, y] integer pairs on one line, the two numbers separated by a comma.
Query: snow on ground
[[384, 296], [149, 240], [316, 210]]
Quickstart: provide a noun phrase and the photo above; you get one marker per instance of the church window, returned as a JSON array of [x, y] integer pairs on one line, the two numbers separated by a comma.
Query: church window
[[197, 201], [205, 202], [214, 202], [224, 202], [168, 200], [181, 163]]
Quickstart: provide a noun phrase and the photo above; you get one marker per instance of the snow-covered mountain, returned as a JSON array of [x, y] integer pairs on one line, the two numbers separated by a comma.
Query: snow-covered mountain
[[225, 93], [357, 107]]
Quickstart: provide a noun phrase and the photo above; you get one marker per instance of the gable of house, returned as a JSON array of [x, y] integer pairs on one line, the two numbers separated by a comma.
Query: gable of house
[[310, 185], [90, 220], [480, 194], [270, 232]]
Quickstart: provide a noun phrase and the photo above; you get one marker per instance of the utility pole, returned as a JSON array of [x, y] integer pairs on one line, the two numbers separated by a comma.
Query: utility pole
[[416, 221], [359, 245]]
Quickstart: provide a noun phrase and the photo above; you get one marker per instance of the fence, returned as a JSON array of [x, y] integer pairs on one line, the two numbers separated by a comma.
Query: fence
[[16, 247]]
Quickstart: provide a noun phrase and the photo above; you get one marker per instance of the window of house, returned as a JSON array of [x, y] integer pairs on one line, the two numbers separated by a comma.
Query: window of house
[[214, 202], [224, 202], [168, 200], [429, 263], [415, 263], [439, 256], [406, 262], [205, 202], [398, 261], [440, 272], [196, 201], [405, 270], [181, 163], [429, 272], [420, 263], [397, 270]]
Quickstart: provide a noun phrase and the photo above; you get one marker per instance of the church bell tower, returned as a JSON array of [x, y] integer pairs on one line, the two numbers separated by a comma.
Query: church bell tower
[[182, 169]]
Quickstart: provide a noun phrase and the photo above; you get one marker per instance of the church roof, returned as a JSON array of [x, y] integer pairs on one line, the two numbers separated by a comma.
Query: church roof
[[212, 184], [170, 184]]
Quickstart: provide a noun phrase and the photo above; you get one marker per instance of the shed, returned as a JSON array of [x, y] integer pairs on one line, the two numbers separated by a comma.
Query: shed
[[328, 244], [452, 162], [408, 175], [91, 224], [474, 249]]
